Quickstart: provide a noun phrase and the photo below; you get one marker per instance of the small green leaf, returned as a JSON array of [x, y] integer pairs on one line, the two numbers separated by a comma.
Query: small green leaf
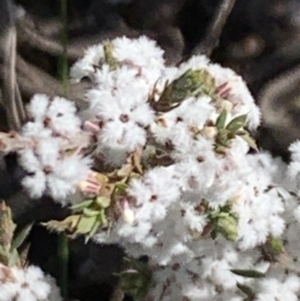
[[248, 273], [190, 83], [21, 236], [224, 138], [90, 212], [68, 224], [208, 82], [276, 245], [103, 202], [220, 149], [14, 258], [108, 54], [221, 121], [246, 290], [86, 224], [237, 123], [104, 220], [4, 255], [94, 229], [250, 141], [228, 226], [81, 206], [122, 187]]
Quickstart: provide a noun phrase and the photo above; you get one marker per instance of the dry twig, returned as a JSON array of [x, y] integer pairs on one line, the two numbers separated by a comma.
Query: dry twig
[[10, 92], [211, 40]]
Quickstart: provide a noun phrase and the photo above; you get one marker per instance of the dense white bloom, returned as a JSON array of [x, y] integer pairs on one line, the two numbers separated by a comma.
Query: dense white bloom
[[86, 66], [200, 206], [169, 211], [123, 119], [28, 284], [272, 289], [51, 117]]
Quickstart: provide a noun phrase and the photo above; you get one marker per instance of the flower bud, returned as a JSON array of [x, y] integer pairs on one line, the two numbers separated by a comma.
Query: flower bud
[[127, 213], [209, 132], [227, 105]]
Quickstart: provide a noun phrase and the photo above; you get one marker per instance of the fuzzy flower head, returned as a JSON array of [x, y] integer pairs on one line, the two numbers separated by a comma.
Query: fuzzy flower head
[[51, 117], [140, 55], [52, 172], [122, 119], [28, 284], [229, 87]]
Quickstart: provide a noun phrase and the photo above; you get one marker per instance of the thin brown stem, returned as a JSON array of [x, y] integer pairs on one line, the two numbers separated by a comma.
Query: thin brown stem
[[11, 98], [211, 40]]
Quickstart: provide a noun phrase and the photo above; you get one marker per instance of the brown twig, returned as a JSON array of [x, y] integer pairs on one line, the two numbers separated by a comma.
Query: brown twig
[[11, 96], [211, 40], [33, 80], [30, 34]]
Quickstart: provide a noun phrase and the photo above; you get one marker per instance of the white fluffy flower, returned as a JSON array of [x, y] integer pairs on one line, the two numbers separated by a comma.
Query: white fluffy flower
[[28, 284], [50, 172], [272, 289], [51, 117], [200, 186], [86, 66]]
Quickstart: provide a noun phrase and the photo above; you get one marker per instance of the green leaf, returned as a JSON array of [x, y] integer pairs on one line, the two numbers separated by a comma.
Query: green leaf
[[246, 290], [14, 258], [108, 54], [223, 138], [68, 224], [250, 141], [121, 187], [90, 212], [190, 83], [94, 229], [248, 273], [4, 255], [221, 121], [86, 224], [208, 82], [220, 149], [228, 226], [81, 206], [276, 245], [103, 202], [237, 123], [104, 220], [21, 236]]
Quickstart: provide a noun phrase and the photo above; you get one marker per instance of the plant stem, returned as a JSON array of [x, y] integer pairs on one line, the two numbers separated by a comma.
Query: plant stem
[[63, 255], [211, 40], [63, 61], [63, 242]]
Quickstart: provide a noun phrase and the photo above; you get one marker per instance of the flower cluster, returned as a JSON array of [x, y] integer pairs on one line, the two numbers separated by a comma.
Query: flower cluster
[[51, 148], [29, 284], [202, 206], [174, 176], [123, 72]]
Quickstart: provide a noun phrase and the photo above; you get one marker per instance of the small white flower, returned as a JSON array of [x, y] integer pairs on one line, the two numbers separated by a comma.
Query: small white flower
[[49, 172], [29, 284]]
